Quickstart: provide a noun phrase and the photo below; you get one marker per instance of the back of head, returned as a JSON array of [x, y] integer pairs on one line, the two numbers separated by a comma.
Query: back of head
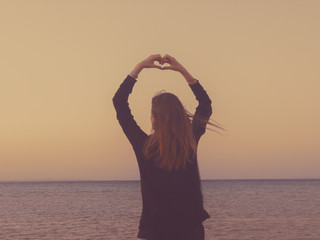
[[172, 143]]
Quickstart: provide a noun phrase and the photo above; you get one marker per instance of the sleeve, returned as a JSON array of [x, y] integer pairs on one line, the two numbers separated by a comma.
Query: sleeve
[[124, 116], [203, 110]]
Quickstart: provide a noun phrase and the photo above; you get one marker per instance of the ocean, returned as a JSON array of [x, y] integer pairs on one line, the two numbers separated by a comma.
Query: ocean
[[239, 209]]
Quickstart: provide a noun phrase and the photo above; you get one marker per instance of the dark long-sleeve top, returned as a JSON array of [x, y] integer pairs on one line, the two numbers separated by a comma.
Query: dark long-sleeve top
[[170, 200]]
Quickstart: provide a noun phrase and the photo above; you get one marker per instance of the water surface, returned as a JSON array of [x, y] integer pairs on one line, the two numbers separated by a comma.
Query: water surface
[[239, 209]]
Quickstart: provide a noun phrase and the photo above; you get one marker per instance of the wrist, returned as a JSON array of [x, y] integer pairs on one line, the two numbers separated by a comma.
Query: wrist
[[189, 78], [136, 70], [193, 81]]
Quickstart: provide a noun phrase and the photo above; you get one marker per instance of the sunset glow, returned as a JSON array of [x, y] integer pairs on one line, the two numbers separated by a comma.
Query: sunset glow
[[62, 62]]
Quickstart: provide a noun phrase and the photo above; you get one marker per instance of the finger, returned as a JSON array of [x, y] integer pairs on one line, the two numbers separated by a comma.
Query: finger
[[166, 67], [166, 61], [162, 60], [167, 58], [156, 57], [153, 57], [157, 66]]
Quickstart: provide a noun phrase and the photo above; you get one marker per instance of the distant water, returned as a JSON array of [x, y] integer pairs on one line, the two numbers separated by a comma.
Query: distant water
[[239, 209]]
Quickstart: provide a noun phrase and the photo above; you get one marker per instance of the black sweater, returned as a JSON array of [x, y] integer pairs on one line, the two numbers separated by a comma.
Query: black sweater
[[170, 200]]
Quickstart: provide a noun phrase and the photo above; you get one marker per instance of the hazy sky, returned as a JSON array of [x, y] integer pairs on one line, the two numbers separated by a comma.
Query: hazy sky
[[62, 61]]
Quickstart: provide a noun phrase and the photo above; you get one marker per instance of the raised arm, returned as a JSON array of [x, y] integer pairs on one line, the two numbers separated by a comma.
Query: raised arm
[[204, 109], [120, 101], [124, 116]]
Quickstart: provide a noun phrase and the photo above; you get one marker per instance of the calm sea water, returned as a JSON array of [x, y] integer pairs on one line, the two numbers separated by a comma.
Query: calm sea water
[[239, 209]]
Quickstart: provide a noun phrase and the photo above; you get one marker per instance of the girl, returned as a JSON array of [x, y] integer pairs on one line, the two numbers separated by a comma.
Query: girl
[[172, 202]]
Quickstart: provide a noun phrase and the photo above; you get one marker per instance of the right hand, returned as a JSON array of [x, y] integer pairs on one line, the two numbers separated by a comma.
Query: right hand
[[174, 64]]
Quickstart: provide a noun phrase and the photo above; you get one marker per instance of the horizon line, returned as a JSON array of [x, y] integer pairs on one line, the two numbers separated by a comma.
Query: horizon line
[[138, 180]]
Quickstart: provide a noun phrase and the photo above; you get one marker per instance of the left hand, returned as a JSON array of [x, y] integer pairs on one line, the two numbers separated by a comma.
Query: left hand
[[149, 61]]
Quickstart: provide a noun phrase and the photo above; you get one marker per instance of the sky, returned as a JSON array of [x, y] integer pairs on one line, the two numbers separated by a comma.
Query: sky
[[62, 61]]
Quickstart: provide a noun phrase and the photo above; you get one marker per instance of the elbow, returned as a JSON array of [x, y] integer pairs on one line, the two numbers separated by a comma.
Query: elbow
[[210, 106], [118, 101], [210, 110], [115, 100]]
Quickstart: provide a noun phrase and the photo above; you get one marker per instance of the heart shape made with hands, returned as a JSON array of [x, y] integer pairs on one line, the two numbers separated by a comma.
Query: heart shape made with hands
[[165, 62], [161, 62]]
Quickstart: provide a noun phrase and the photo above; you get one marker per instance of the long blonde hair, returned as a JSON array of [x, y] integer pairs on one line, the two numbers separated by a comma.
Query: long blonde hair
[[172, 143]]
